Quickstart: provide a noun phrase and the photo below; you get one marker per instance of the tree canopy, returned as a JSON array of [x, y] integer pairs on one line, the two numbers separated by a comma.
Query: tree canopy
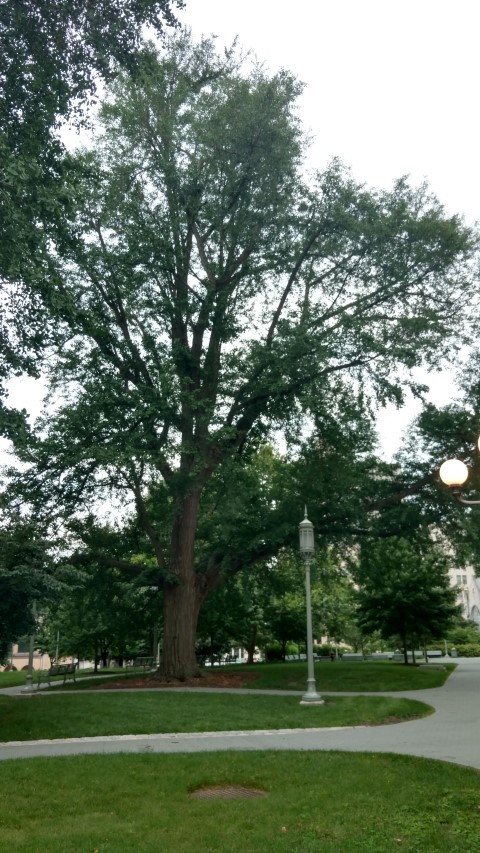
[[54, 54]]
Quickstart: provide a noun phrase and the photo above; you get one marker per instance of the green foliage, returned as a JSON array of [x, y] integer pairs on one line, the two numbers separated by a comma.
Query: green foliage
[[404, 590], [462, 633], [442, 433], [53, 54], [24, 578], [325, 650], [103, 615], [467, 650], [274, 652]]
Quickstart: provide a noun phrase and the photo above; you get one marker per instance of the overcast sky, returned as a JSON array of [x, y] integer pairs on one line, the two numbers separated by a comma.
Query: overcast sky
[[391, 88]]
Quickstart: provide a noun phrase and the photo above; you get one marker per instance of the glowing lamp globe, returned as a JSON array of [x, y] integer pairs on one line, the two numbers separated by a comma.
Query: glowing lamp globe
[[453, 472]]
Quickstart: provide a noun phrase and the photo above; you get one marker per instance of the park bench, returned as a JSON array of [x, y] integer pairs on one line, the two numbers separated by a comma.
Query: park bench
[[57, 670], [232, 659], [352, 656], [380, 656], [143, 662]]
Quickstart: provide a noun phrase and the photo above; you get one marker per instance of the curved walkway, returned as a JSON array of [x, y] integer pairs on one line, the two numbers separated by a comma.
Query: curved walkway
[[451, 734]]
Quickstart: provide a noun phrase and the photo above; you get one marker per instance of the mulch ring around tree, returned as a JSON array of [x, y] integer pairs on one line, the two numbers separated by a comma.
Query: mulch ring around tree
[[149, 682]]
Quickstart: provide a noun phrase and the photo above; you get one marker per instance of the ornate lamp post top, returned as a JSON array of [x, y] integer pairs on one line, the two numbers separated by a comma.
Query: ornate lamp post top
[[307, 541]]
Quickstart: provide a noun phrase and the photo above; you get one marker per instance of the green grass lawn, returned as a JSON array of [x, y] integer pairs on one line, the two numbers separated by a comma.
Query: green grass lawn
[[93, 714], [377, 677], [145, 712], [381, 676], [313, 801], [12, 679]]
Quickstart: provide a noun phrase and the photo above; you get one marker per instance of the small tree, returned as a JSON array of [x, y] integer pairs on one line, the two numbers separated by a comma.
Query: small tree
[[102, 614], [24, 578], [404, 590]]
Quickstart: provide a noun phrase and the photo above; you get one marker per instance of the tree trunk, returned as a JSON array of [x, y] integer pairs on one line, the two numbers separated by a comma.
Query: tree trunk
[[181, 600], [181, 608], [251, 644]]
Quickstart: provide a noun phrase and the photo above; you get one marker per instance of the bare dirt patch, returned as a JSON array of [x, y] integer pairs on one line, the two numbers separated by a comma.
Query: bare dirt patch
[[210, 679], [226, 792]]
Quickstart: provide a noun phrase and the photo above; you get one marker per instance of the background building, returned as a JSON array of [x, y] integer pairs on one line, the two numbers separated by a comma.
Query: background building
[[467, 585]]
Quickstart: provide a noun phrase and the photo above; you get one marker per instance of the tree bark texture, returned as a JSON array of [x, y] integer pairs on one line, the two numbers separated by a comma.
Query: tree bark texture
[[182, 599]]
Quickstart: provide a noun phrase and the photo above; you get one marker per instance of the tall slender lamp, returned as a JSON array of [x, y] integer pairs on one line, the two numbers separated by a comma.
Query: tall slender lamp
[[307, 547]]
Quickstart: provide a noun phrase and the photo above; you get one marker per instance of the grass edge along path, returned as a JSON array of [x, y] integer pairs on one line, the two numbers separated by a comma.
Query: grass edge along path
[[307, 802], [54, 716]]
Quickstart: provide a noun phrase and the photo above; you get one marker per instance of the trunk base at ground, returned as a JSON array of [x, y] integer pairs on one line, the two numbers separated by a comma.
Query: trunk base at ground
[[178, 659]]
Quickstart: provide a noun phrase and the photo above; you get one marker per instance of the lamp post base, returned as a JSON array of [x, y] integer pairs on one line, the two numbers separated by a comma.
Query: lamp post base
[[311, 697]]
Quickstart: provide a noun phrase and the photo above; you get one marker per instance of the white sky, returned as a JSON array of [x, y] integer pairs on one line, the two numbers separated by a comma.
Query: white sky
[[391, 88]]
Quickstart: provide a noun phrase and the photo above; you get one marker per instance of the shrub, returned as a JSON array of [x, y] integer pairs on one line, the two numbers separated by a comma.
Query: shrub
[[468, 650], [273, 652], [326, 649]]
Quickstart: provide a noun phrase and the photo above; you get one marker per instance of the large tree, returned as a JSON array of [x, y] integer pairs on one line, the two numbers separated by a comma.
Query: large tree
[[198, 290]]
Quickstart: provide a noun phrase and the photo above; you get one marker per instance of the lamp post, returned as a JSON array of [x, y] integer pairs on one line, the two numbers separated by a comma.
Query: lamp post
[[454, 473], [28, 688], [307, 547]]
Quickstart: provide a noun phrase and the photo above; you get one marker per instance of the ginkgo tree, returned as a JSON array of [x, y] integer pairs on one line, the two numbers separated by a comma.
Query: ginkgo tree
[[198, 289]]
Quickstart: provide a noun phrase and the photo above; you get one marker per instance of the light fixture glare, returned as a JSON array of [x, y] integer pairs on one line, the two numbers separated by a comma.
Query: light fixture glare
[[453, 472]]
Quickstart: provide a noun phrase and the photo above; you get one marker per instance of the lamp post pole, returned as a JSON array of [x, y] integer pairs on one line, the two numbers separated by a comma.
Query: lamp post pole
[[307, 546], [28, 688]]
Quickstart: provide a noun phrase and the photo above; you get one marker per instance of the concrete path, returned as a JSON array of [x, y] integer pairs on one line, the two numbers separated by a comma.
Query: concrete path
[[451, 734]]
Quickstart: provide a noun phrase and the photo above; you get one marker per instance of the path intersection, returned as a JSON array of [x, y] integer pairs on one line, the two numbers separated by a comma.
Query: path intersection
[[451, 734]]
